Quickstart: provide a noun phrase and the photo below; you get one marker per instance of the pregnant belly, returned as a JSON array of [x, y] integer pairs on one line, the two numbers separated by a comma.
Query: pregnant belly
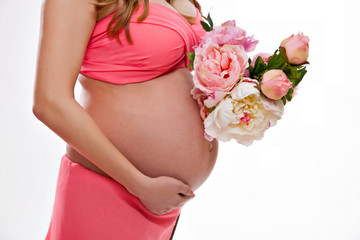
[[155, 124]]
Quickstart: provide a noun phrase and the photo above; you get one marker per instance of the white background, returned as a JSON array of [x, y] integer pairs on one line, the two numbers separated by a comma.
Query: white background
[[302, 181]]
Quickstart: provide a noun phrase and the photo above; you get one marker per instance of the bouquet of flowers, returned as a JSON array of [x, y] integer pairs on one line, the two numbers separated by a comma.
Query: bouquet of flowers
[[240, 97]]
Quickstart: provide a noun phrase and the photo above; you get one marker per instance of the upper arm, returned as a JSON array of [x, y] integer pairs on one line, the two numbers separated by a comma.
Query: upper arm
[[65, 31]]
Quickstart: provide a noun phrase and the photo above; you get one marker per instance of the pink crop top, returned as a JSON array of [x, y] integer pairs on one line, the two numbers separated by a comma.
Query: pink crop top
[[160, 43]]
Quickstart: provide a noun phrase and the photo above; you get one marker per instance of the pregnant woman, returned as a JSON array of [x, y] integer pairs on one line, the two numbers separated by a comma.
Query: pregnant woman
[[135, 140]]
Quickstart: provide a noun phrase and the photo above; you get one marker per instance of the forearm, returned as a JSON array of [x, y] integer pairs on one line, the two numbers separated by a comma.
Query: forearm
[[76, 127]]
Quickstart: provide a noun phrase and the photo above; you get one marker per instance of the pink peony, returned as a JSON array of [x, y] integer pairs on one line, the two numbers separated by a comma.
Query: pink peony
[[264, 56], [275, 84], [228, 33], [218, 69], [297, 48], [214, 98], [200, 96]]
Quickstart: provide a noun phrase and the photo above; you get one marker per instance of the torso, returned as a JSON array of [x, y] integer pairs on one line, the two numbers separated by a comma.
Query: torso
[[155, 124]]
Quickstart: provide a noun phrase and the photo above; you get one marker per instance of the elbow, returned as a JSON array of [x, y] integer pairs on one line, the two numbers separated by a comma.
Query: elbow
[[48, 104], [44, 107], [40, 108]]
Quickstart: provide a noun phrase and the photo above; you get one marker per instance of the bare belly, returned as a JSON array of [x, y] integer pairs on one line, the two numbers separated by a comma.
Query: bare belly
[[155, 124]]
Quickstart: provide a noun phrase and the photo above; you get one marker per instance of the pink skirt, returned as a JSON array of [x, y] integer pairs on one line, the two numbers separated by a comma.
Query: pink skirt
[[91, 206]]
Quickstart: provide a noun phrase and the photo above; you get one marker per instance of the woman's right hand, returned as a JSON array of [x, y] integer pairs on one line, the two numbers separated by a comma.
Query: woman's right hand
[[164, 194]]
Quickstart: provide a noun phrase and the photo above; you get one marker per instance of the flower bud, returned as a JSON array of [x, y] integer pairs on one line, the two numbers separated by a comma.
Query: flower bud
[[275, 84], [297, 48], [265, 57]]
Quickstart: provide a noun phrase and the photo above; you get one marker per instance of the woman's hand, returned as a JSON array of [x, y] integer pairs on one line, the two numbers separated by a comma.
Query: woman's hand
[[163, 194]]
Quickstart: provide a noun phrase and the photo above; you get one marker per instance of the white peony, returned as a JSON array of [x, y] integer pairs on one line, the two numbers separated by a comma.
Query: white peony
[[244, 115]]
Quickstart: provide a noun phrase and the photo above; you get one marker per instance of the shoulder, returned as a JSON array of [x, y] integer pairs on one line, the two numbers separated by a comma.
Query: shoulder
[[69, 9], [185, 7]]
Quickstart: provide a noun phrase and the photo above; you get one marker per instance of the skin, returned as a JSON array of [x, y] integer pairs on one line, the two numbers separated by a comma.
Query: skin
[[158, 152]]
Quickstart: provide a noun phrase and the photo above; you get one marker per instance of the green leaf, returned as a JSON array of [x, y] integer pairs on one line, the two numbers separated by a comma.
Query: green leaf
[[191, 65], [258, 61], [276, 62], [191, 55], [284, 66], [210, 21], [251, 71], [294, 74], [288, 72], [294, 71], [206, 26], [291, 73], [209, 25], [284, 101], [298, 66], [299, 77], [289, 94], [259, 68], [283, 54], [302, 73], [294, 80]]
